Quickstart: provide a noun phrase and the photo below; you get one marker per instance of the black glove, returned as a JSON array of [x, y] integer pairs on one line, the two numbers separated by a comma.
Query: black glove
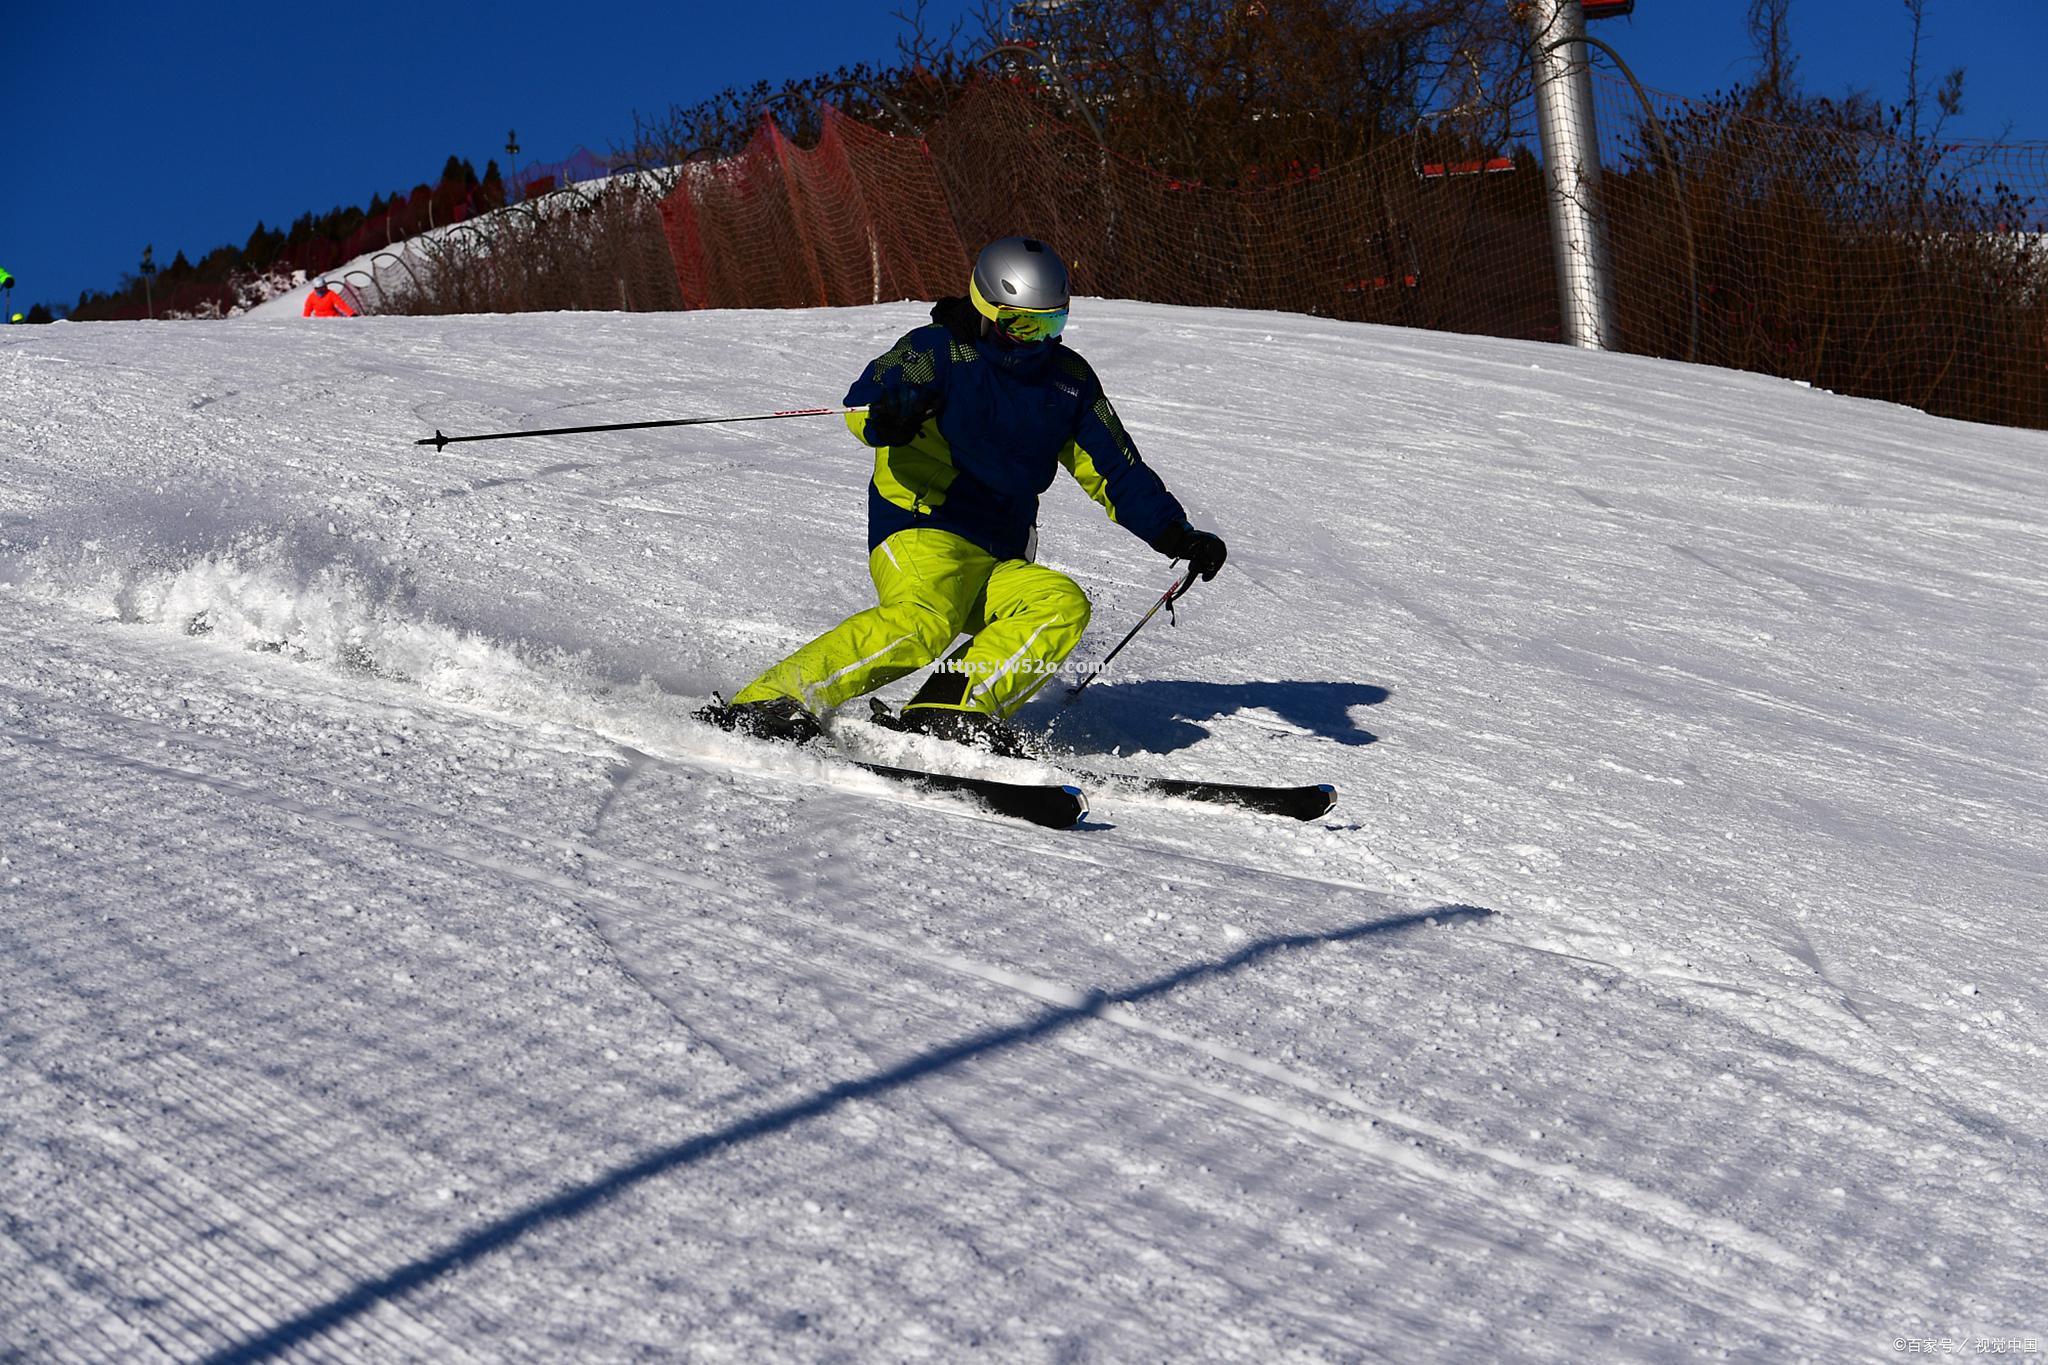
[[1203, 550], [897, 415]]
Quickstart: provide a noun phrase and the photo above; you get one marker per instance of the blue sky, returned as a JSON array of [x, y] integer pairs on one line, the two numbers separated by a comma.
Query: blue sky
[[181, 125]]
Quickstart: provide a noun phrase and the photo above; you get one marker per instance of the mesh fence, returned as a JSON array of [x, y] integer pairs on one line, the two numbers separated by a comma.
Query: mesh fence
[[865, 216], [1865, 263], [537, 178], [1394, 237], [858, 218], [594, 246], [1855, 260]]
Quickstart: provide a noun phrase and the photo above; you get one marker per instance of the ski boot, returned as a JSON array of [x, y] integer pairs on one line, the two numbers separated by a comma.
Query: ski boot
[[781, 718], [939, 710]]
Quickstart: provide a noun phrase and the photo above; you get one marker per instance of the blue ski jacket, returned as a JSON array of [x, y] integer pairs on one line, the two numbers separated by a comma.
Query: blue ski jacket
[[1006, 419]]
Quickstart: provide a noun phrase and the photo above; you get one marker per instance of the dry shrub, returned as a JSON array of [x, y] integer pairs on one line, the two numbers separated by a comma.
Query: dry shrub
[[1834, 247], [595, 247]]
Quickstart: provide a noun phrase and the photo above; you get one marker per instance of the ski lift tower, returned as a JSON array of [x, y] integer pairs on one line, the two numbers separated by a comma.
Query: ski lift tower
[[1571, 168]]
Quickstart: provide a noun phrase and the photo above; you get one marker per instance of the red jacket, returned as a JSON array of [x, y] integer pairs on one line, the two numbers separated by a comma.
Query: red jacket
[[328, 305]]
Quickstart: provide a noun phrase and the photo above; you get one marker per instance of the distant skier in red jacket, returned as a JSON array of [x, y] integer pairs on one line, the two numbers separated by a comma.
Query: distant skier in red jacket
[[327, 303]]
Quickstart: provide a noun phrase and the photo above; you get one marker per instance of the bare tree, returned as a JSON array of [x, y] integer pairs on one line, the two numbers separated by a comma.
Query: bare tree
[[1770, 36], [1948, 96]]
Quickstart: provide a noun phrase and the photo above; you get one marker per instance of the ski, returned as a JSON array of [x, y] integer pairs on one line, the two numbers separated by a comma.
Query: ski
[[1310, 802], [1059, 806], [1053, 805]]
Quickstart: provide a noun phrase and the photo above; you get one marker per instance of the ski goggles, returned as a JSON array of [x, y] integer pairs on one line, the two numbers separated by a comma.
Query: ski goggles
[[1019, 324]]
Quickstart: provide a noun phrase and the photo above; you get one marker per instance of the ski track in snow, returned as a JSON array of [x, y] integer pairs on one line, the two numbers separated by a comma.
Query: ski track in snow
[[395, 971]]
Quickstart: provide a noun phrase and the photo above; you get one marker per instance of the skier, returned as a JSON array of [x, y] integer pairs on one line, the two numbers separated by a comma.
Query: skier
[[326, 303], [969, 418]]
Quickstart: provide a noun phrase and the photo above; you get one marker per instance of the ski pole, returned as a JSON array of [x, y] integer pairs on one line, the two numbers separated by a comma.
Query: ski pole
[[1174, 592], [440, 442]]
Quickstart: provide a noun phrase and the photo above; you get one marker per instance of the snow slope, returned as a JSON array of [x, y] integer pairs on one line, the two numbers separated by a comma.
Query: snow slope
[[393, 970]]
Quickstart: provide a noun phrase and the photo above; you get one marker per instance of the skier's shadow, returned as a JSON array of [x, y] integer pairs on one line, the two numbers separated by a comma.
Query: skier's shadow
[[1164, 716]]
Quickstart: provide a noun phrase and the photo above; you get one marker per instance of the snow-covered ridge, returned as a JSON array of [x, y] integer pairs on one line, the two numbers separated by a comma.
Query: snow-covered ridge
[[395, 970]]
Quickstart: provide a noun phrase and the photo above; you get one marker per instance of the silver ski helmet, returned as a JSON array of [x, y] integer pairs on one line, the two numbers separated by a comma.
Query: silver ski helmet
[[1020, 285]]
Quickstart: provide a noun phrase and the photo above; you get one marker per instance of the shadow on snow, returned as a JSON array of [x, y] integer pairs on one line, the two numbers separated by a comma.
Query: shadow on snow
[[581, 1199], [1167, 715]]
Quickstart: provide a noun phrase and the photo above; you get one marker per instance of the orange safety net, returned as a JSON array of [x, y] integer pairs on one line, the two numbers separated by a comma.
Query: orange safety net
[[858, 218], [1393, 237], [1831, 257]]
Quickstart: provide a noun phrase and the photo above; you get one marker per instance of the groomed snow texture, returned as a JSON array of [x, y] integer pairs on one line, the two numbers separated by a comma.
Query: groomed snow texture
[[392, 970]]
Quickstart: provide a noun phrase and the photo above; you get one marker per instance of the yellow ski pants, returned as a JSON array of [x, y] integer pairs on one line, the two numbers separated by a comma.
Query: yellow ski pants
[[932, 587]]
